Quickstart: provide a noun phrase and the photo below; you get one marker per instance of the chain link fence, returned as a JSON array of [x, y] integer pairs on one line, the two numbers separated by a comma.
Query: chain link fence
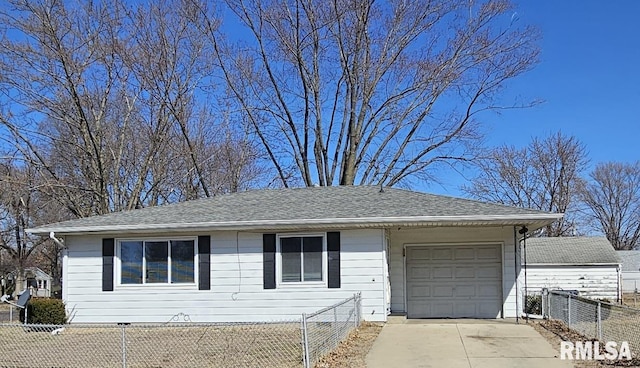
[[297, 343], [595, 319], [8, 313], [326, 328]]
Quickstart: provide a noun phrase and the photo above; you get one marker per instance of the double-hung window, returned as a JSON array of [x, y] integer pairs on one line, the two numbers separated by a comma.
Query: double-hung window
[[157, 261], [302, 259]]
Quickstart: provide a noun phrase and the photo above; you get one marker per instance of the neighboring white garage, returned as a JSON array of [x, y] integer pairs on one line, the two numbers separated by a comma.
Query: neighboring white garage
[[588, 265], [454, 281], [630, 270]]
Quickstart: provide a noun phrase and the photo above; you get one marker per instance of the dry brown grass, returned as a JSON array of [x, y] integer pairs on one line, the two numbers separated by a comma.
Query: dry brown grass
[[631, 300], [353, 351], [556, 331], [252, 345]]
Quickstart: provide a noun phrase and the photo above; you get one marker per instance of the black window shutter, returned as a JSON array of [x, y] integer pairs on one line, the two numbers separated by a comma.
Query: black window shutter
[[333, 254], [204, 259], [108, 251], [269, 260]]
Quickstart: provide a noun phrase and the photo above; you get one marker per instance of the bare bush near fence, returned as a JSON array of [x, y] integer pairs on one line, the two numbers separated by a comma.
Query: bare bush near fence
[[189, 345], [595, 319]]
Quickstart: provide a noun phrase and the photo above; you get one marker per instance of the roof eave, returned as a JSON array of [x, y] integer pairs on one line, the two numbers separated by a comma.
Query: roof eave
[[533, 221]]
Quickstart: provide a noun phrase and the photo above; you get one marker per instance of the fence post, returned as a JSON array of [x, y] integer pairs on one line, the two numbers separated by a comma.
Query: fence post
[[356, 307], [124, 343], [569, 310], [545, 303], [599, 320], [305, 342], [335, 324]]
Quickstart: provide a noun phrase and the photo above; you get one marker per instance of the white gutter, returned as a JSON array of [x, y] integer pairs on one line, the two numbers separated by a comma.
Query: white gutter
[[323, 222], [573, 264]]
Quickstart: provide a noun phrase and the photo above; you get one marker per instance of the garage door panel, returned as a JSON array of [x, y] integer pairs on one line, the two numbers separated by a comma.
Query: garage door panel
[[420, 291], [441, 309], [465, 309], [417, 273], [464, 254], [465, 272], [443, 272], [488, 253], [489, 291], [466, 291], [454, 281], [443, 291], [488, 272], [442, 254], [422, 253]]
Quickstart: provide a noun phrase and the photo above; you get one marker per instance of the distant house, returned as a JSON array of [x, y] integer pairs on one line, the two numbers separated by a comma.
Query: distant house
[[630, 270], [588, 265], [36, 280], [268, 255]]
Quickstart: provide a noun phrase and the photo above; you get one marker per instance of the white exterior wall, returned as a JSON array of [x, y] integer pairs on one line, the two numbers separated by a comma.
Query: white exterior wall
[[630, 281], [453, 235], [236, 294], [597, 282]]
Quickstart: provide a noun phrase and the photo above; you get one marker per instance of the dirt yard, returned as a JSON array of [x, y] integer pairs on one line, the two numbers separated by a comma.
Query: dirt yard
[[253, 345], [555, 332], [353, 351], [631, 300]]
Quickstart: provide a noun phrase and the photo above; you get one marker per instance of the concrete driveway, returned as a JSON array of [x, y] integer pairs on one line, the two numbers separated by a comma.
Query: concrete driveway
[[462, 343]]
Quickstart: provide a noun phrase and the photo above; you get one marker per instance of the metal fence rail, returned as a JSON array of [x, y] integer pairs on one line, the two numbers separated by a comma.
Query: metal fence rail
[[595, 319], [297, 343], [326, 328]]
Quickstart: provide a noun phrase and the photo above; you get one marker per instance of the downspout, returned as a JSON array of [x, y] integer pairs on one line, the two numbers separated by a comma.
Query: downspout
[[523, 231], [52, 236], [516, 261]]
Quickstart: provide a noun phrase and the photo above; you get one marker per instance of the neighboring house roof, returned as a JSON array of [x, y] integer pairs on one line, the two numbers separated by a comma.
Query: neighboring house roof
[[570, 251], [322, 207], [37, 272], [630, 260]]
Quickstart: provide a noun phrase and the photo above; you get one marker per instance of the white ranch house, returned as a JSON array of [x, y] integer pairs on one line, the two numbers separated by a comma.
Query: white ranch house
[[588, 265], [269, 255]]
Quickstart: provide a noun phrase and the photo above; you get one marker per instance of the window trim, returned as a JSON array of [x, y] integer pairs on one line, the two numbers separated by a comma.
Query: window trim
[[325, 262], [118, 262]]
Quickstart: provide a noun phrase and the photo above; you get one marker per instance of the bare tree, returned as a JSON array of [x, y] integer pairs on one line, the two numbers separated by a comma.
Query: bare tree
[[108, 102], [545, 175], [612, 197], [357, 92], [18, 206]]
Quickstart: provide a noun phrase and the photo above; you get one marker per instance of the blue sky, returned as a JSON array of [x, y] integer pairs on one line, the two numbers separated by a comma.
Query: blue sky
[[588, 78]]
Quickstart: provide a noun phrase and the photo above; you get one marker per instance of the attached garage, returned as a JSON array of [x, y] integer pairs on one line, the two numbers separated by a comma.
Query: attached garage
[[454, 281]]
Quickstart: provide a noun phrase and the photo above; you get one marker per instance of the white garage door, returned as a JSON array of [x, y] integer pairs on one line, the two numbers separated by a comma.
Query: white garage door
[[454, 281]]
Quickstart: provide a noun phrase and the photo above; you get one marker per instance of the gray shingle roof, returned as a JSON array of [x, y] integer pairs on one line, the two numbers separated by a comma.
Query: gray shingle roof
[[630, 260], [328, 205], [571, 250]]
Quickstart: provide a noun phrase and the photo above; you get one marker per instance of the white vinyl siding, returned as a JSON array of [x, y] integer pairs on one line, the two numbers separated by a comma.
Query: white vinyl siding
[[236, 294], [448, 235], [630, 281], [597, 282]]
